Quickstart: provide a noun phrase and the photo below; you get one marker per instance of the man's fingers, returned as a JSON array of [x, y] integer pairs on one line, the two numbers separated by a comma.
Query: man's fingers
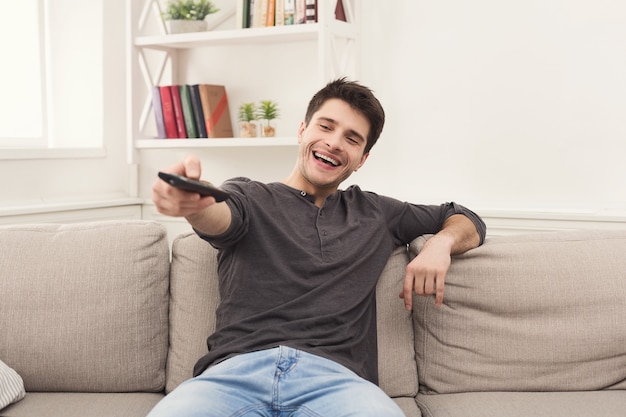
[[192, 167], [440, 285], [407, 292], [426, 285]]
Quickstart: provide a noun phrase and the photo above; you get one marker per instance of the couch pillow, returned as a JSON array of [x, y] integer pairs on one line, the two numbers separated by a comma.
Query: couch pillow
[[397, 369], [84, 306], [194, 297], [540, 312], [11, 386]]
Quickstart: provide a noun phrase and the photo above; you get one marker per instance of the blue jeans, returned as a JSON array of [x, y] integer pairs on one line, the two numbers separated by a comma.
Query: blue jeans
[[277, 382]]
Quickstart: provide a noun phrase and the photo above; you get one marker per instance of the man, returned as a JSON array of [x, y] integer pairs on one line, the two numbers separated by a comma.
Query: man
[[298, 266]]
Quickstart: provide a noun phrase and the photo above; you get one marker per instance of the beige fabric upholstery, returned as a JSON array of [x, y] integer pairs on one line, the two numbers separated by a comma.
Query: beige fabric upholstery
[[193, 300], [84, 307], [397, 369], [525, 404], [543, 312], [73, 404]]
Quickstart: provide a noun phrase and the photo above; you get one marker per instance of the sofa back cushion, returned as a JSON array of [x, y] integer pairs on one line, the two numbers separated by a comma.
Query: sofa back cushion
[[194, 299], [541, 312], [84, 307], [397, 368]]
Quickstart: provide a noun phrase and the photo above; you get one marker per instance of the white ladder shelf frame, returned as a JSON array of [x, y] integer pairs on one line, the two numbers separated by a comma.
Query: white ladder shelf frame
[[332, 62]]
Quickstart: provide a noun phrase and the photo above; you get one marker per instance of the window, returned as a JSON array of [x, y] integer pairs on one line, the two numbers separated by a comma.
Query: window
[[53, 75]]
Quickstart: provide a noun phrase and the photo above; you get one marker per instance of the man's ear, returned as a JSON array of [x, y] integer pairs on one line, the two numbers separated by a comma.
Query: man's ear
[[301, 131], [363, 159]]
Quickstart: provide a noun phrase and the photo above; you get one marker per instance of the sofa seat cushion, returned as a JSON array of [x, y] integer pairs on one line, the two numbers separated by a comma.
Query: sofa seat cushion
[[524, 404], [84, 306], [408, 406], [540, 312], [41, 404]]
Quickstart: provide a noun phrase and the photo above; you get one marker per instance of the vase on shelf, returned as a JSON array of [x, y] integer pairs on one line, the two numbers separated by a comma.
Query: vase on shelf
[[185, 26], [247, 130], [268, 129]]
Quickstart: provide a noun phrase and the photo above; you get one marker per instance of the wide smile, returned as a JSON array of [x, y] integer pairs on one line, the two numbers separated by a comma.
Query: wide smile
[[328, 160]]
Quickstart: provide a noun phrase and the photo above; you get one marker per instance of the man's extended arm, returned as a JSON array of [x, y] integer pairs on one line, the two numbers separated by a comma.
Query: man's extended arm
[[203, 213], [425, 275]]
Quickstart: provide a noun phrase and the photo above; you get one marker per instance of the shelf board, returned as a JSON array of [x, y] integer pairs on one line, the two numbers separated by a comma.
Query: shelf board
[[215, 143], [291, 33]]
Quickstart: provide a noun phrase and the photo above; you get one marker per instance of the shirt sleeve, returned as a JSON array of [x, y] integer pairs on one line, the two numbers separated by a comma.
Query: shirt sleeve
[[238, 204], [408, 221]]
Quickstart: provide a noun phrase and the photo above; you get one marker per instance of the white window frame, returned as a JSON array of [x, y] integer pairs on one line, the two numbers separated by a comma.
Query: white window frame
[[44, 147]]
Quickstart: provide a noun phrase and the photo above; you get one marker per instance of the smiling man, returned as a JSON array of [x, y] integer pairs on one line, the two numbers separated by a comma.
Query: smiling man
[[298, 266]]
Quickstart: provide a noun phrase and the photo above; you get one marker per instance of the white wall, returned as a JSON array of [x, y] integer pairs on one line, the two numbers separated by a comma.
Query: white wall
[[511, 105], [500, 104]]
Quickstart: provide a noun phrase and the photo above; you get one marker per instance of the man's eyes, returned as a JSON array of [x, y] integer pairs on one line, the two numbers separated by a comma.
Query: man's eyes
[[329, 128]]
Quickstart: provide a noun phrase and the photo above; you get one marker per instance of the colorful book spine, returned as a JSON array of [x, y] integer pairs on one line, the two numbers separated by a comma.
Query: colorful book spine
[[279, 18], [245, 13], [216, 113], [300, 12], [158, 112], [190, 123], [198, 113], [259, 14], [340, 12], [271, 12], [290, 12], [169, 120], [178, 112], [311, 11]]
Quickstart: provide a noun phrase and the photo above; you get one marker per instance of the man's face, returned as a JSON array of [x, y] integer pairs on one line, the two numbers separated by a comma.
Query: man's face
[[332, 146]]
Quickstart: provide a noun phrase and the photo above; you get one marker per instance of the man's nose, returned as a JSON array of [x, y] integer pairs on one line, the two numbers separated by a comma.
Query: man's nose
[[334, 140]]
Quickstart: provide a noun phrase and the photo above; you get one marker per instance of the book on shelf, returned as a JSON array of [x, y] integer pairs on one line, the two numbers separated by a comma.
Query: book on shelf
[[300, 12], [279, 13], [311, 11], [190, 122], [198, 114], [271, 12], [178, 112], [340, 12], [259, 13], [243, 14], [264, 13], [290, 12], [216, 112], [171, 131], [158, 112]]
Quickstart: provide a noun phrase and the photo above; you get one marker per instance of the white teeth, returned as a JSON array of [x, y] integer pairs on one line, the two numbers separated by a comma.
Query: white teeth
[[326, 158]]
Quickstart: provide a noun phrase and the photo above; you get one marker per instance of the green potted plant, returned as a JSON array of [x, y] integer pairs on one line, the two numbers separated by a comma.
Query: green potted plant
[[187, 15], [268, 111], [247, 116]]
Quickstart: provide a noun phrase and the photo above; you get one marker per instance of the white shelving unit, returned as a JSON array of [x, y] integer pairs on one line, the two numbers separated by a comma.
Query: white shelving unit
[[153, 58]]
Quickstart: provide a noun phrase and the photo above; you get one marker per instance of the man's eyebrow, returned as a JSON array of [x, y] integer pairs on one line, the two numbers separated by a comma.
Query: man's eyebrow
[[350, 131]]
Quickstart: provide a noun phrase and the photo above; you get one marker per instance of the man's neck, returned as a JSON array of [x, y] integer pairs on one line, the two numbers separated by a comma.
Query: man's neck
[[319, 193]]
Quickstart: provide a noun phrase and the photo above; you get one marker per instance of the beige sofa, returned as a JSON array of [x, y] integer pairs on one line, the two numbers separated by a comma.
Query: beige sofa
[[98, 322]]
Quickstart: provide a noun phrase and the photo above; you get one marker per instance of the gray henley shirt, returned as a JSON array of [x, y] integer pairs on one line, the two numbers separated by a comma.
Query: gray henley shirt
[[293, 274]]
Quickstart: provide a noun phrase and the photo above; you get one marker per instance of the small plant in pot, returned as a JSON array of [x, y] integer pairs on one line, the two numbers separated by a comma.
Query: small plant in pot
[[187, 15], [268, 111], [247, 116]]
